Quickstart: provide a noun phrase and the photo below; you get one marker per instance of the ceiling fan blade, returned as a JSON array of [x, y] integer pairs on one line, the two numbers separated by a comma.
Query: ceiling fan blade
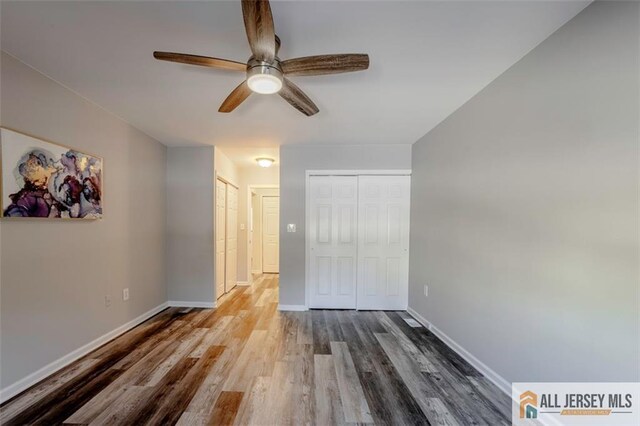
[[204, 61], [235, 98], [296, 97], [326, 64], [258, 23]]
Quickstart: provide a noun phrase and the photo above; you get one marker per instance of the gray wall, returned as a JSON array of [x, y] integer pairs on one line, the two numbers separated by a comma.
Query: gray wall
[[294, 161], [524, 218], [190, 222], [56, 273]]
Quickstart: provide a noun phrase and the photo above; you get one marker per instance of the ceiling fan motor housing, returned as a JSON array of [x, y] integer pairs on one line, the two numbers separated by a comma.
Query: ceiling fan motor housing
[[264, 77]]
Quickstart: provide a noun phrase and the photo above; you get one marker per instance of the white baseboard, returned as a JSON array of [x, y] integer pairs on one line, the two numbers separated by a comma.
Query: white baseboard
[[422, 320], [33, 378], [183, 304], [292, 308], [243, 283], [502, 384]]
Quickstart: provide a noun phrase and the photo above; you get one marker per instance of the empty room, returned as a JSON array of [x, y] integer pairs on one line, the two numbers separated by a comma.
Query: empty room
[[314, 212]]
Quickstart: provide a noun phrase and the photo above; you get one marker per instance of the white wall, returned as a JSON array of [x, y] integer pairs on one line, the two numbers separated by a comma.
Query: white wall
[[294, 161], [56, 273], [190, 224], [226, 168], [524, 219]]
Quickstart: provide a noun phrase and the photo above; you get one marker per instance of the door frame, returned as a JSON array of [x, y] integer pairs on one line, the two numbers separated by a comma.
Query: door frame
[[249, 242], [262, 228], [307, 213]]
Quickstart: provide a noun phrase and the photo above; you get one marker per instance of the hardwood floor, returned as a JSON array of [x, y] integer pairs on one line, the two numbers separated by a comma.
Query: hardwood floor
[[247, 363]]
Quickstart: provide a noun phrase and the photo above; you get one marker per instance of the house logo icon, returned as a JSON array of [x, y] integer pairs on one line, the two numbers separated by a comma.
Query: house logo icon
[[528, 405]]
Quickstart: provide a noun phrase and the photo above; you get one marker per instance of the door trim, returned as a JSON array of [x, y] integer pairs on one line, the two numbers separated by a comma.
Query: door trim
[[216, 233], [262, 229], [307, 213]]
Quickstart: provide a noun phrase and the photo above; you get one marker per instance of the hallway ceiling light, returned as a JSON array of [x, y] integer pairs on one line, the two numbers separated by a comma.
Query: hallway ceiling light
[[265, 162]]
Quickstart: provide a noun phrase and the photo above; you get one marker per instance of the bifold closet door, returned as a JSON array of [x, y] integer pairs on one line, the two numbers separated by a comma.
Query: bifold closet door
[[221, 232], [383, 242], [231, 272], [333, 202]]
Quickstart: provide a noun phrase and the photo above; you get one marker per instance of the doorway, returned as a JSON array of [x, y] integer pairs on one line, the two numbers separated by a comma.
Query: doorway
[[264, 230]]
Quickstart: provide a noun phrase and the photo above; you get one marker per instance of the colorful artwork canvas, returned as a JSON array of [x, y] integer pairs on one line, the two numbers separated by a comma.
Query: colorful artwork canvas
[[45, 180]]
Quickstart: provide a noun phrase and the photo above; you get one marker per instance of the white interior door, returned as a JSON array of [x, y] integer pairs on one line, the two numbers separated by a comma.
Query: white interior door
[[332, 233], [383, 242], [271, 235], [221, 232], [231, 271]]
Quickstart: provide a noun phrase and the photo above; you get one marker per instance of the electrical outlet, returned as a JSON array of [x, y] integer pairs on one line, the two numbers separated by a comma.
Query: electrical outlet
[[125, 294], [426, 290], [242, 226], [291, 227], [107, 301]]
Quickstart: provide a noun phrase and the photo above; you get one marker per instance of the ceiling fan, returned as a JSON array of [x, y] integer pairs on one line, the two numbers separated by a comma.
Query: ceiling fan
[[266, 73]]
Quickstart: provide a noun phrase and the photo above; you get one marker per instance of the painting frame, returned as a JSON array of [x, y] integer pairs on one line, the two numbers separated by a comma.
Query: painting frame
[[4, 173]]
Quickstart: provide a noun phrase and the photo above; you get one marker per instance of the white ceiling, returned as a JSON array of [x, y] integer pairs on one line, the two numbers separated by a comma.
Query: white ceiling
[[427, 59]]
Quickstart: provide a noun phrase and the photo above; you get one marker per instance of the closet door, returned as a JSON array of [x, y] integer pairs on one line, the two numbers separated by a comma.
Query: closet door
[[333, 241], [221, 232], [271, 235], [232, 238], [383, 242]]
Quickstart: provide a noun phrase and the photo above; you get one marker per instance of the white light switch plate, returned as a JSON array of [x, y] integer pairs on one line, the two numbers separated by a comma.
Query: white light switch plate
[[291, 227]]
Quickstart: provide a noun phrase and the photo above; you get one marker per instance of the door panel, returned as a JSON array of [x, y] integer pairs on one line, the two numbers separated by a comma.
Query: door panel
[[346, 223], [383, 242], [221, 232], [371, 224], [345, 275], [333, 241], [231, 278], [393, 277], [271, 234], [324, 224], [369, 273], [324, 275]]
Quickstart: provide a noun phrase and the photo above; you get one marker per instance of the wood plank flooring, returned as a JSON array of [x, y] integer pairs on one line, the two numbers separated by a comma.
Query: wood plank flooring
[[246, 363]]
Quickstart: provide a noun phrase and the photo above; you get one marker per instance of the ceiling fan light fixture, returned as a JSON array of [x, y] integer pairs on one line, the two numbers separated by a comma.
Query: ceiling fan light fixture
[[264, 79], [265, 162]]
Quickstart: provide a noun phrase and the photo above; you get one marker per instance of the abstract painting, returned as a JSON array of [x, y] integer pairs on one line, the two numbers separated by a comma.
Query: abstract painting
[[45, 180]]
